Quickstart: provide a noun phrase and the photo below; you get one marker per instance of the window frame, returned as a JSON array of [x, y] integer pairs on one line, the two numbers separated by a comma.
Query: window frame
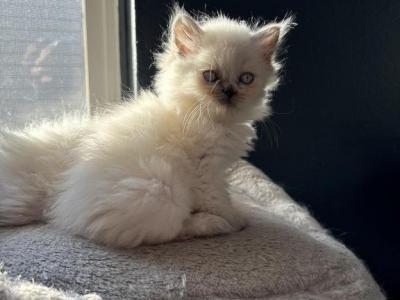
[[102, 53], [127, 35]]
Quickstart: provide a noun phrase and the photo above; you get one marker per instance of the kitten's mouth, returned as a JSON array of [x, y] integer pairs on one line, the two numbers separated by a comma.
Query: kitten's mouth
[[228, 101]]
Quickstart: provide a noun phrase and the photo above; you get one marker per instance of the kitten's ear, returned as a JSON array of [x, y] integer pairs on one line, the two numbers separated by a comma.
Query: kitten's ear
[[185, 32], [271, 35]]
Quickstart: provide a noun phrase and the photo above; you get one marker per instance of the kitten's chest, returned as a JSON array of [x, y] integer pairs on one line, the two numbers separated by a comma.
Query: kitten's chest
[[218, 146]]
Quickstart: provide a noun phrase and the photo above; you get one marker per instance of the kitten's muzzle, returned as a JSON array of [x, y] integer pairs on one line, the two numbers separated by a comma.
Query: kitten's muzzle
[[229, 92]]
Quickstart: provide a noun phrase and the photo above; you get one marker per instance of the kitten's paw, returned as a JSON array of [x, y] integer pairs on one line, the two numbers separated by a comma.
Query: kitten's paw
[[204, 224], [234, 217], [236, 220]]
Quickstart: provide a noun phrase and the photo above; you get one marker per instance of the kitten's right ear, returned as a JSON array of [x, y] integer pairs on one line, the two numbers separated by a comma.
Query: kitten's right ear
[[185, 32]]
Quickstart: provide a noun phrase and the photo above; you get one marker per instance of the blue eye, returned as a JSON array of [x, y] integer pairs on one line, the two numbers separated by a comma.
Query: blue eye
[[246, 78], [210, 76]]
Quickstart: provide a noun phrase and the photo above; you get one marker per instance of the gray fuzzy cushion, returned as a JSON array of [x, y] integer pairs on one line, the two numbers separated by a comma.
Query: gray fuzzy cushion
[[283, 254]]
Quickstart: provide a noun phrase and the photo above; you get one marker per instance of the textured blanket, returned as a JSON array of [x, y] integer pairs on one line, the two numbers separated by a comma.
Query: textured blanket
[[283, 254]]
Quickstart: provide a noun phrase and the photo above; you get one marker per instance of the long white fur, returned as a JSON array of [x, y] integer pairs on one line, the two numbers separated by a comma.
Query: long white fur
[[151, 170]]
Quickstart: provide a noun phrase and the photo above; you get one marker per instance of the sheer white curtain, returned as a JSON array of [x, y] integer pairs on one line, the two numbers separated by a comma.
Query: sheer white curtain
[[42, 73]]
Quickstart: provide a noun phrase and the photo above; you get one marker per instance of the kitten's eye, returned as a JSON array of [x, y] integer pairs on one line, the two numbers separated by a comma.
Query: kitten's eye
[[210, 76], [246, 78]]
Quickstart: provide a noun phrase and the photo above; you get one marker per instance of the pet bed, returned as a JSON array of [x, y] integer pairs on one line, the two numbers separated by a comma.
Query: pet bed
[[283, 254]]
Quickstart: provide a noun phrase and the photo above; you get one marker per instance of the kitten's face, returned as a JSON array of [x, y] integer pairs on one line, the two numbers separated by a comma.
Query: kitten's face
[[229, 76], [223, 65]]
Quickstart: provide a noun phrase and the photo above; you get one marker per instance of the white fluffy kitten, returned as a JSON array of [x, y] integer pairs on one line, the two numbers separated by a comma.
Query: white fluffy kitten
[[152, 170]]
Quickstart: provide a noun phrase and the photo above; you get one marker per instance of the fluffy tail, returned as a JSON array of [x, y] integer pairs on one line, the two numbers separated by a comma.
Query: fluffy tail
[[22, 200], [25, 210], [22, 197], [31, 161]]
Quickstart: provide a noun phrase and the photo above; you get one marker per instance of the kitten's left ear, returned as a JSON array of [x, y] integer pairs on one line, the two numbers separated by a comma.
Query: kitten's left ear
[[271, 35]]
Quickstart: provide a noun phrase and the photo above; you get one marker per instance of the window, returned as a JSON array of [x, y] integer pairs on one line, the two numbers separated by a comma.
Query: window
[[42, 71], [62, 56]]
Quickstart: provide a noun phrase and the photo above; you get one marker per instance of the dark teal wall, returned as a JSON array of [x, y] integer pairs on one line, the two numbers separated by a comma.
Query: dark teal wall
[[338, 114]]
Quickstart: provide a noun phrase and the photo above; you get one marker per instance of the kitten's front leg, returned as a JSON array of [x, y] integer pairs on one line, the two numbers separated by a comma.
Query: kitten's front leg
[[216, 216], [223, 208], [212, 197], [215, 221], [216, 201], [202, 224]]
